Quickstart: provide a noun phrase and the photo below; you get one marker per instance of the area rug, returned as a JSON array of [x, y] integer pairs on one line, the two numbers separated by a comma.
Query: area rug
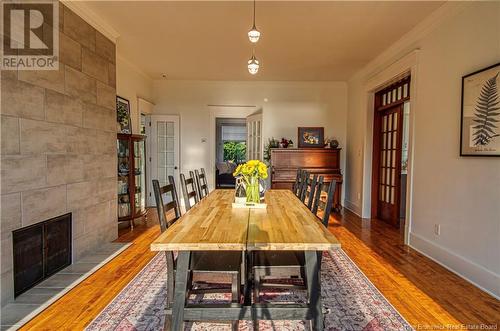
[[351, 302]]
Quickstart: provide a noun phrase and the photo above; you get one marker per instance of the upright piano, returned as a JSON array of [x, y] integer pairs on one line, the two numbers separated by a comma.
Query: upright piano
[[321, 161]]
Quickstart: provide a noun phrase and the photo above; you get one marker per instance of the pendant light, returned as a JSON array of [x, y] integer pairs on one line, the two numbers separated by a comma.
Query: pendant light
[[254, 34], [253, 65]]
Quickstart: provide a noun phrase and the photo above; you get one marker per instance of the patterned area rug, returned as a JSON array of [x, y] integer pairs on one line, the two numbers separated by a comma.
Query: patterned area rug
[[350, 300]]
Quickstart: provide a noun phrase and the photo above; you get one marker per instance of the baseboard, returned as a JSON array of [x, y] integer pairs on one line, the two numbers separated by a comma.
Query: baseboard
[[352, 207], [478, 275]]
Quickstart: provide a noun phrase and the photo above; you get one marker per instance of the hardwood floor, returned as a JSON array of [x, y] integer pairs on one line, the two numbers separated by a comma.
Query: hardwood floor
[[426, 294]]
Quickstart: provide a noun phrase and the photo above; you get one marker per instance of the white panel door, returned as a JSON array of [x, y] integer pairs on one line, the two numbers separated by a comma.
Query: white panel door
[[164, 151], [254, 137]]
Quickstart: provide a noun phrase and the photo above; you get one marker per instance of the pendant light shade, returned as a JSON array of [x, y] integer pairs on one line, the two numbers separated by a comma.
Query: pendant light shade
[[254, 34], [253, 65]]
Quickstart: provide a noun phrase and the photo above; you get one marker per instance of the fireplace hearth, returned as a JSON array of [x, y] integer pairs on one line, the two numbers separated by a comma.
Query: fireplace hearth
[[41, 250]]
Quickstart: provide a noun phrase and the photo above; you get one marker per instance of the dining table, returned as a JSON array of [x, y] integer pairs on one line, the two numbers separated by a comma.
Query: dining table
[[214, 224]]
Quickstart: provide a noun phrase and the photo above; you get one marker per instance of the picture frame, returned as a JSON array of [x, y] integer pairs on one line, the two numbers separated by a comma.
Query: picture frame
[[311, 137], [480, 113], [123, 115]]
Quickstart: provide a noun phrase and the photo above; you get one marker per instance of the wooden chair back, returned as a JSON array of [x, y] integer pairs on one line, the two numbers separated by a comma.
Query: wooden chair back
[[201, 183], [310, 191], [304, 176], [166, 208], [296, 185], [329, 189], [188, 187]]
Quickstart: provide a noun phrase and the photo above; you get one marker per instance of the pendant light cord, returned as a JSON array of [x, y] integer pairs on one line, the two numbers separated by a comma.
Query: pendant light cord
[[254, 13]]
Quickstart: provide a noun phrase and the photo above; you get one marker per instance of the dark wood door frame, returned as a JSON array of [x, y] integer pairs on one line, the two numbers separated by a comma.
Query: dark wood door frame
[[390, 98]]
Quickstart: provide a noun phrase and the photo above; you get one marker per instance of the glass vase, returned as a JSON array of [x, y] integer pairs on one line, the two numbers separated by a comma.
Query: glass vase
[[253, 194]]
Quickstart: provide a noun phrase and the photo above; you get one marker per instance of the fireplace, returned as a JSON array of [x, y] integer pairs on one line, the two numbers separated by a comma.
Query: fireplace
[[41, 250]]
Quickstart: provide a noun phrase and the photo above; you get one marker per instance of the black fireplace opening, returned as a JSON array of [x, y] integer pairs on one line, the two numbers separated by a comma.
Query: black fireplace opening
[[41, 250]]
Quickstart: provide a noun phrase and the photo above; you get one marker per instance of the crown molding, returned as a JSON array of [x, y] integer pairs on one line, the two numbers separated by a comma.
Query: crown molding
[[79, 8], [133, 66]]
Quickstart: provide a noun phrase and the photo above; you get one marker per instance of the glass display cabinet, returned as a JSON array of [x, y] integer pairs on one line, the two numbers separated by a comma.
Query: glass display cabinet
[[131, 151]]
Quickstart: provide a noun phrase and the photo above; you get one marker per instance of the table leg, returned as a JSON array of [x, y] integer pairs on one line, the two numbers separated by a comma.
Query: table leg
[[181, 284], [314, 289], [247, 290]]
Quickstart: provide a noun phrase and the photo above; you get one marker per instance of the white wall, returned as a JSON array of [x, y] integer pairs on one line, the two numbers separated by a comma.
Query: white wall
[[289, 105], [462, 194], [131, 83]]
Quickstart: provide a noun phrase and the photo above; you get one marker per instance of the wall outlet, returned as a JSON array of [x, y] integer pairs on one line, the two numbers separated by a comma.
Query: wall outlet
[[437, 229]]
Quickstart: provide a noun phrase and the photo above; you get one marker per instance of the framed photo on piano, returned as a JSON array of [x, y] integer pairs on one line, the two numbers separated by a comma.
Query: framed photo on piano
[[311, 137]]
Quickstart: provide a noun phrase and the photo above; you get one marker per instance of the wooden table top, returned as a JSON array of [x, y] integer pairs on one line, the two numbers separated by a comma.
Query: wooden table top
[[212, 224], [287, 224]]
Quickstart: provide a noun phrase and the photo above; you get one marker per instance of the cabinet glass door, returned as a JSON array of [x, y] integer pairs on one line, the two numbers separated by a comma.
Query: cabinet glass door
[[139, 176], [123, 151]]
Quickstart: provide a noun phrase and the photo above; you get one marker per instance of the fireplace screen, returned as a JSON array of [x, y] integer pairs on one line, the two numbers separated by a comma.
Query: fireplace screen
[[40, 250]]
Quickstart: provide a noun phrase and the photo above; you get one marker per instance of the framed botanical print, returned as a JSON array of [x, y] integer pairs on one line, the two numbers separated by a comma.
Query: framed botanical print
[[480, 120], [123, 115], [311, 137]]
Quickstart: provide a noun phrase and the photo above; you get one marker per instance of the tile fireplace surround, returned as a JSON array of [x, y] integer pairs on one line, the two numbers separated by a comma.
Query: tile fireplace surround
[[58, 141]]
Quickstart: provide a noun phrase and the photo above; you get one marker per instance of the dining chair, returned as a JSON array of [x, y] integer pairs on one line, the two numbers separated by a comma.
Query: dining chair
[[202, 262], [290, 264], [166, 209], [188, 186], [201, 183], [295, 186]]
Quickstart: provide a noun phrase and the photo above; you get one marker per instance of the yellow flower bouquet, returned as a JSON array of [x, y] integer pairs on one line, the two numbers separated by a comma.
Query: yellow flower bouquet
[[251, 172]]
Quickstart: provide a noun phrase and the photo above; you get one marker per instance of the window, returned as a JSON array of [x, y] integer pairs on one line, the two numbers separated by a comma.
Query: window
[[234, 143]]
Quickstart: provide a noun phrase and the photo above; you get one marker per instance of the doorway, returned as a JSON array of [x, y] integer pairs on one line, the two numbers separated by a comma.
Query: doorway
[[231, 149], [390, 152]]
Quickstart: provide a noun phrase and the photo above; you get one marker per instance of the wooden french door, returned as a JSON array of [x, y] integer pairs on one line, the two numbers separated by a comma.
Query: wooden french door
[[389, 171], [387, 151]]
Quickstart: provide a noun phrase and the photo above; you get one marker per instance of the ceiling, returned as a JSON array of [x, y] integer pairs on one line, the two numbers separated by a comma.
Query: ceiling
[[301, 41]]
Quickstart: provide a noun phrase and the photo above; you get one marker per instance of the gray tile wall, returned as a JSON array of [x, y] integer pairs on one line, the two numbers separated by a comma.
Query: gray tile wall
[[58, 143]]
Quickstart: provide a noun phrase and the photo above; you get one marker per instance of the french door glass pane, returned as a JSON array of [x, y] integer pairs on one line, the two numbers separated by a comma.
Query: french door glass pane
[[140, 176], [165, 151]]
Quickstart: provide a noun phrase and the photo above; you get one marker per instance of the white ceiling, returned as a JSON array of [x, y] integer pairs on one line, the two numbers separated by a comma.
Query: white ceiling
[[301, 41]]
